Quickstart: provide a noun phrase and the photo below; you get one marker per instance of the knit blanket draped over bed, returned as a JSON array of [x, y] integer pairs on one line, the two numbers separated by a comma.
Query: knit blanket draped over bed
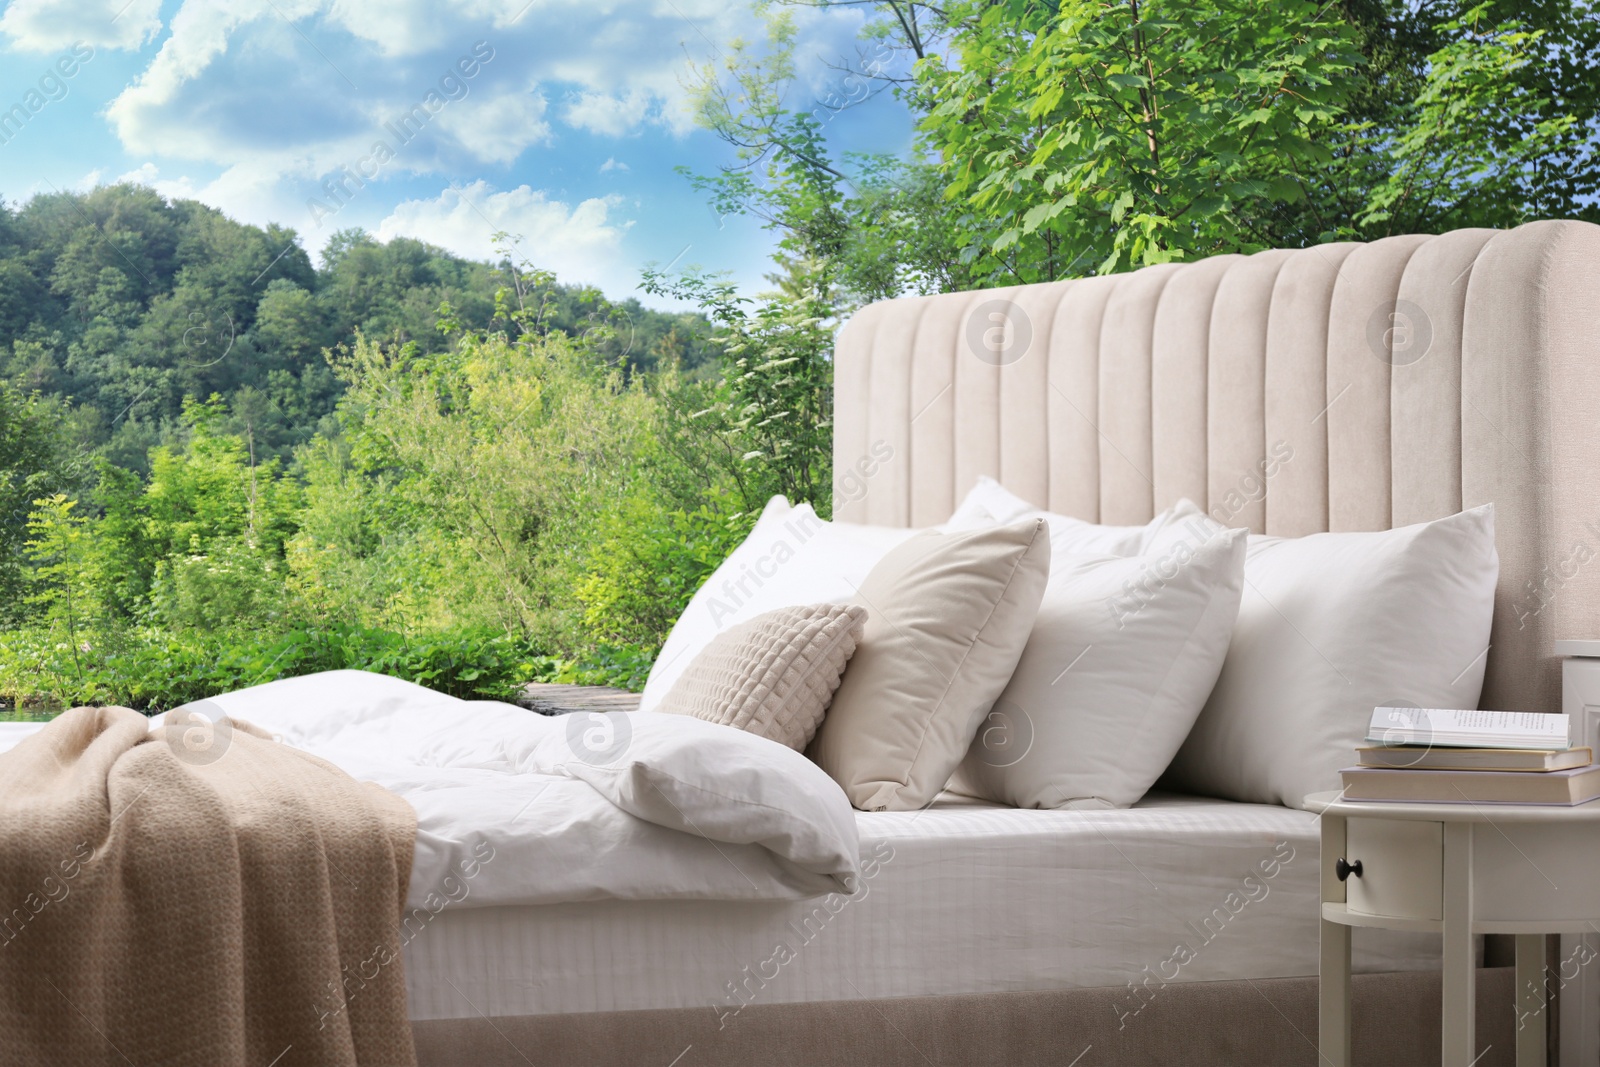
[[198, 894]]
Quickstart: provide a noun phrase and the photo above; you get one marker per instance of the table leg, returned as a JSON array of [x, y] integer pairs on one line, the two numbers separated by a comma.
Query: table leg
[[1531, 1013], [1333, 1008], [1333, 1004], [1460, 997]]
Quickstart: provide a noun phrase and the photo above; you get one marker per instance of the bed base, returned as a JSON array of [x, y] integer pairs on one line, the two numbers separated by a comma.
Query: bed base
[[1268, 1022]]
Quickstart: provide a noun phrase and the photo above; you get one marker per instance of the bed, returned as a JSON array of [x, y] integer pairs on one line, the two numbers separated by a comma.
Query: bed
[[1415, 376]]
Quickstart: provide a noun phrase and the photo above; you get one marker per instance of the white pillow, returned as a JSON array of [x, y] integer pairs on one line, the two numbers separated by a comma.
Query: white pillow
[[1332, 625], [1123, 654], [791, 558], [989, 503], [714, 782]]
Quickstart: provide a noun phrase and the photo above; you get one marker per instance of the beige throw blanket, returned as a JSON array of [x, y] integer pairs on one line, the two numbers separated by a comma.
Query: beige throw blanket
[[199, 895]]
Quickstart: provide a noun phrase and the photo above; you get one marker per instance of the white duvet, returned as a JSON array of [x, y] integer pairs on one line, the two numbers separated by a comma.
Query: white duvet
[[514, 807]]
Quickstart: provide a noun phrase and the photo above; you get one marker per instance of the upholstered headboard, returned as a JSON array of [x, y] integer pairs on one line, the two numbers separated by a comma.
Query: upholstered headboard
[[1403, 379]]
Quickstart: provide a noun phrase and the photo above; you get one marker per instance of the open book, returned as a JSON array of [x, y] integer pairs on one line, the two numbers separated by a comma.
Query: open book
[[1468, 729]]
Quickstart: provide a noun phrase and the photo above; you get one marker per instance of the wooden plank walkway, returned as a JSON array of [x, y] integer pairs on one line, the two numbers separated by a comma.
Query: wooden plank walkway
[[549, 699]]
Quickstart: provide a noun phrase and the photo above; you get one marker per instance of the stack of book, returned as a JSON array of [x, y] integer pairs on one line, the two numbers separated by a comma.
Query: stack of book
[[1427, 755]]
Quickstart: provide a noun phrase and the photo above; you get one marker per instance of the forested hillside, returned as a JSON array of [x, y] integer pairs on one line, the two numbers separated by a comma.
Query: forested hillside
[[220, 462], [121, 304]]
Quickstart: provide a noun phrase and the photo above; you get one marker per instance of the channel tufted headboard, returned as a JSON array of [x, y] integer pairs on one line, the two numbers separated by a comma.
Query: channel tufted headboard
[[1341, 387]]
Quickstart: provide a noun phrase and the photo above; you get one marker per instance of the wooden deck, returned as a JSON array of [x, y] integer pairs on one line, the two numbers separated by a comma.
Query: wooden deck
[[549, 699]]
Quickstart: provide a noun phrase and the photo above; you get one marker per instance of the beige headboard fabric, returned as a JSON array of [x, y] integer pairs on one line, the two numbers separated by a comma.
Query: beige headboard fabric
[[1406, 379]]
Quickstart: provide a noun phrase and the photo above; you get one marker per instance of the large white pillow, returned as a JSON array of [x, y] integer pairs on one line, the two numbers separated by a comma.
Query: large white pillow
[[1123, 654], [791, 558], [1332, 625], [989, 503]]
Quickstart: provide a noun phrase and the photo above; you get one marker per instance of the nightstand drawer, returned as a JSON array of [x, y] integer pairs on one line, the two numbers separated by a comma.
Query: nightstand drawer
[[1402, 868]]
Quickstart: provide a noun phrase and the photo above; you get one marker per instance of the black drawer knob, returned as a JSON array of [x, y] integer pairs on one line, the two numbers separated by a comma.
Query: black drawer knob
[[1343, 870]]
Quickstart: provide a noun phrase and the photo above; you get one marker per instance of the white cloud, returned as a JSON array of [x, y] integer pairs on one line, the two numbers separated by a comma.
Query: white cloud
[[611, 115], [171, 188], [581, 244], [398, 27], [48, 25], [158, 111], [298, 85], [500, 127], [296, 88], [269, 85], [612, 164]]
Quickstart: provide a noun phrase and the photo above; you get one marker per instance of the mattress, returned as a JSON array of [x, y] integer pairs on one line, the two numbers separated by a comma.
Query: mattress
[[962, 897]]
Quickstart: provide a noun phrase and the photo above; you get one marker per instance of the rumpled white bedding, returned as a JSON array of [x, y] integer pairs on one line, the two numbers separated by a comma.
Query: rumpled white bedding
[[514, 807]]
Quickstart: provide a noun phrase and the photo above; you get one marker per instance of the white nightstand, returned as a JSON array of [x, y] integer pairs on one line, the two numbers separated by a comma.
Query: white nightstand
[[1456, 870]]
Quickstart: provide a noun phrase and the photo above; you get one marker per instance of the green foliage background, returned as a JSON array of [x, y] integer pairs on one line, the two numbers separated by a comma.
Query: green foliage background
[[220, 464], [468, 475]]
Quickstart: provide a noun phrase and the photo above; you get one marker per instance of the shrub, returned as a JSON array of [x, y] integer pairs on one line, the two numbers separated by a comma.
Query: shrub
[[645, 565], [153, 671]]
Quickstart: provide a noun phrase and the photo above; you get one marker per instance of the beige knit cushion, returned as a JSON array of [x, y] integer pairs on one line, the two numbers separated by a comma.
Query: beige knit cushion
[[773, 675]]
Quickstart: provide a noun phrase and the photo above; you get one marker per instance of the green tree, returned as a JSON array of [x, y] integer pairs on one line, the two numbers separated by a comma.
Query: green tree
[[1426, 59], [472, 483], [1481, 142], [1099, 136], [63, 586], [869, 226], [201, 544], [33, 465], [1057, 139], [770, 419], [1094, 136]]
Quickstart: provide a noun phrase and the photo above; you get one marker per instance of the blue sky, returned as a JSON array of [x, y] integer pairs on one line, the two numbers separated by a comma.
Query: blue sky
[[568, 133]]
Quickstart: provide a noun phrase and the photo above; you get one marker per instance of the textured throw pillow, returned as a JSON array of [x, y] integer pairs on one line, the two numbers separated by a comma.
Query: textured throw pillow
[[948, 615], [989, 503], [773, 675], [791, 558], [1122, 657], [1330, 626]]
